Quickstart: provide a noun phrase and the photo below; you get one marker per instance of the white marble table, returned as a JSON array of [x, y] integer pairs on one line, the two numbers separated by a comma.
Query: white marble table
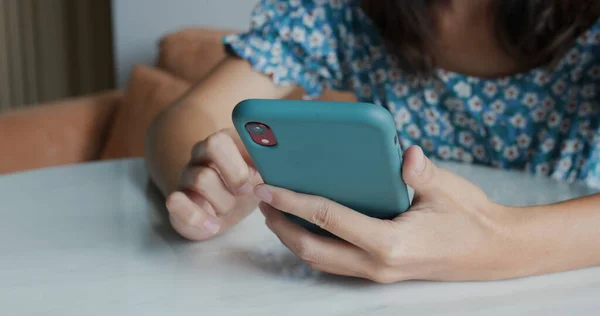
[[93, 240]]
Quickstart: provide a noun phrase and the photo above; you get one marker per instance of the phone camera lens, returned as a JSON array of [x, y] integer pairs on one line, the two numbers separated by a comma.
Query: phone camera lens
[[257, 129], [261, 134]]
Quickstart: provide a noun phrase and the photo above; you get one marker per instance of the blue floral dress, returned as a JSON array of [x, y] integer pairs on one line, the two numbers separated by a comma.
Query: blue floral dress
[[545, 123]]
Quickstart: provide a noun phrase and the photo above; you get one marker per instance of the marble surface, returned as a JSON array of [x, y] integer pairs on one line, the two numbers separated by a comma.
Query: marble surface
[[93, 240]]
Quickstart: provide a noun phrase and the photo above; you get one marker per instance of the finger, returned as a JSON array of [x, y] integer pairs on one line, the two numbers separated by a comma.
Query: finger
[[200, 201], [361, 230], [187, 231], [321, 253], [431, 182], [418, 171], [221, 150], [208, 183], [189, 214], [231, 218], [232, 132]]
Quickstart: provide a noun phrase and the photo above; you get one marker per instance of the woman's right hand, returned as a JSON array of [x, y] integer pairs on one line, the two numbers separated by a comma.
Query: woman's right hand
[[215, 188]]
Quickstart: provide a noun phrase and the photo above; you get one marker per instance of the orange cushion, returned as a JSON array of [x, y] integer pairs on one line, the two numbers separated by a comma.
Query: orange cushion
[[56, 133], [192, 53], [149, 91]]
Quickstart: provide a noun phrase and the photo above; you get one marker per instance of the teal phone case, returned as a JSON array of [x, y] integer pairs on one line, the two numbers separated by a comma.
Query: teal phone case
[[346, 152]]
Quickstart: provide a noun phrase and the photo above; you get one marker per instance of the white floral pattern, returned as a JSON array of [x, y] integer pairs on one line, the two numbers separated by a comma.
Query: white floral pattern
[[547, 123]]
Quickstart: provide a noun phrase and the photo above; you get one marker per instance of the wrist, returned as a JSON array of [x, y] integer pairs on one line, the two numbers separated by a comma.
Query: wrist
[[536, 246], [520, 245]]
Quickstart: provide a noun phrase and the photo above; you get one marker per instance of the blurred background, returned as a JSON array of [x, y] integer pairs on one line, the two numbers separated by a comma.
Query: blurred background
[[51, 49], [81, 80]]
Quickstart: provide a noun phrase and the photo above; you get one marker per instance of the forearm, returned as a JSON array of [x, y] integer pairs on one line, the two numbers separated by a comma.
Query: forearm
[[558, 237], [205, 110], [168, 143]]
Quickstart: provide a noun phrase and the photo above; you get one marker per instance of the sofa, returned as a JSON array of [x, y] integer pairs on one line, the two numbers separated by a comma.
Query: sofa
[[112, 124]]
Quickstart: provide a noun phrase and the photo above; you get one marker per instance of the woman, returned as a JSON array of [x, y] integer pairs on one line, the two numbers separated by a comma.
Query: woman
[[507, 83]]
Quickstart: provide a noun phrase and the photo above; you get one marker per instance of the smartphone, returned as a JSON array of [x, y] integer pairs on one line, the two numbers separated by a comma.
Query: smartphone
[[347, 152]]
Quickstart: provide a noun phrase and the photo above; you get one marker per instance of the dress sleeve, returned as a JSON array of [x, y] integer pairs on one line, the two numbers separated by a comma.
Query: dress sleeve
[[295, 42]]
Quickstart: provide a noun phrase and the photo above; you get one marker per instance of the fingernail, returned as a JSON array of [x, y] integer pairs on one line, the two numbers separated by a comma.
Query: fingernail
[[245, 189], [211, 226], [194, 219], [263, 193], [420, 164]]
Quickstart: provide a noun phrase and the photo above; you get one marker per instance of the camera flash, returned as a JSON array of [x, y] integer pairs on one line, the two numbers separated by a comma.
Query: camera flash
[[265, 141]]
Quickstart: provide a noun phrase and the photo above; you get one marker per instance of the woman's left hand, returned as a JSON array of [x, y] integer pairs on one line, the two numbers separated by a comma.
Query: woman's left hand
[[451, 232]]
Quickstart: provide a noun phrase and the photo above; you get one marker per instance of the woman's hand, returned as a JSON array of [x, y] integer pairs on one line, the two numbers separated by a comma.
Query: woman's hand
[[452, 231], [215, 189]]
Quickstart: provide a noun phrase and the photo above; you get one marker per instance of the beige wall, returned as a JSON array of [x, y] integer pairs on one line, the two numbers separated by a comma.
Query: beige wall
[[147, 21], [50, 49]]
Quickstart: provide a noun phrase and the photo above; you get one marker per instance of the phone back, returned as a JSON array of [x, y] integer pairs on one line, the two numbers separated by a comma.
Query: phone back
[[346, 152]]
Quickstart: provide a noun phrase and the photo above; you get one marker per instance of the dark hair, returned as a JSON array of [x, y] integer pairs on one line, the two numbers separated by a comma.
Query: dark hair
[[541, 30]]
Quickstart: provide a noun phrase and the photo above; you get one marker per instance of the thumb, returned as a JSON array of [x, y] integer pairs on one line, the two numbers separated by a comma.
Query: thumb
[[418, 171]]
